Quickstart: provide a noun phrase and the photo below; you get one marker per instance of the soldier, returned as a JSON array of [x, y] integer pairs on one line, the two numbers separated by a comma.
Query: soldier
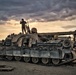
[[23, 25], [55, 37], [33, 37], [28, 29]]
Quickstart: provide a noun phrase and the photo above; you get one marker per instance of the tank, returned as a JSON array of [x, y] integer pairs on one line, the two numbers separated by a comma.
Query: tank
[[36, 48]]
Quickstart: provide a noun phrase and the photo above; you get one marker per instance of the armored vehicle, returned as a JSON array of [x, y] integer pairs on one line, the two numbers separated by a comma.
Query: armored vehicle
[[36, 47]]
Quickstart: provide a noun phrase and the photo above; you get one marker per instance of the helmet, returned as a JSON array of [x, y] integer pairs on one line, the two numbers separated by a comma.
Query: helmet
[[33, 30]]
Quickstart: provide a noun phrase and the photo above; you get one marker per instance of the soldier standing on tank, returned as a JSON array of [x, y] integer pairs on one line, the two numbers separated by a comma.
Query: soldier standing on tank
[[23, 23], [28, 29]]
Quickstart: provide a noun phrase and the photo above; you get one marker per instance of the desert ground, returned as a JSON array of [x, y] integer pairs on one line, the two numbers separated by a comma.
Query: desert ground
[[22, 68]]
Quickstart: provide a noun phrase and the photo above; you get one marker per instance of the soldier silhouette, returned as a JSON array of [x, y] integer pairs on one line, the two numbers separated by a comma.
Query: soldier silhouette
[[23, 23], [28, 29]]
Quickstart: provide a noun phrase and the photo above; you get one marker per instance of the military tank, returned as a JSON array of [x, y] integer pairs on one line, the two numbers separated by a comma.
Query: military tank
[[36, 47]]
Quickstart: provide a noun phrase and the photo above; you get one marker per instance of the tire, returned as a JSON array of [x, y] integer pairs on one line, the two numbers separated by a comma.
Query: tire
[[17, 58], [26, 59], [66, 43], [45, 60], [55, 61], [35, 60], [9, 57]]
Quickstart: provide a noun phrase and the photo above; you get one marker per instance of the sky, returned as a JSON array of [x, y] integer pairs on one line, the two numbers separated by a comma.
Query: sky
[[45, 15]]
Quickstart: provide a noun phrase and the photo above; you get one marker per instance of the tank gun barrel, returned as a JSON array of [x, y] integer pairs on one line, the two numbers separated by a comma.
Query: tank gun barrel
[[59, 33]]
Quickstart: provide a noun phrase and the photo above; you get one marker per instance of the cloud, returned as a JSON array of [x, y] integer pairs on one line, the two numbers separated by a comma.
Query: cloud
[[2, 22], [69, 26], [3, 18], [37, 10]]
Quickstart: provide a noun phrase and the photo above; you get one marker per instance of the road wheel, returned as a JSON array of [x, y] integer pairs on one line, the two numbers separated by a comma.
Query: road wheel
[[17, 58], [55, 61], [9, 57], [35, 60], [45, 60], [26, 59]]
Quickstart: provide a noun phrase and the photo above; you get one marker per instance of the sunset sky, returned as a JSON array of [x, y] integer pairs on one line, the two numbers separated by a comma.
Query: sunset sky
[[45, 15]]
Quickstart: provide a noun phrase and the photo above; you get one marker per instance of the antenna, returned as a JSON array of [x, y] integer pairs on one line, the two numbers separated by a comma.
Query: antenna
[[27, 23]]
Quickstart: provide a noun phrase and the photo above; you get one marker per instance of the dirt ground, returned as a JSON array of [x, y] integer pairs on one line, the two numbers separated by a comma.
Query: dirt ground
[[22, 68]]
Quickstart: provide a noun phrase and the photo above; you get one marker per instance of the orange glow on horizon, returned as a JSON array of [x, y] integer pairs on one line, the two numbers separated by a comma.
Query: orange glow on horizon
[[13, 26]]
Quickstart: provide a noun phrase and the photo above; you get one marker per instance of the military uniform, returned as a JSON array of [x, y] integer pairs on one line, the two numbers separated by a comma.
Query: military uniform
[[23, 25]]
